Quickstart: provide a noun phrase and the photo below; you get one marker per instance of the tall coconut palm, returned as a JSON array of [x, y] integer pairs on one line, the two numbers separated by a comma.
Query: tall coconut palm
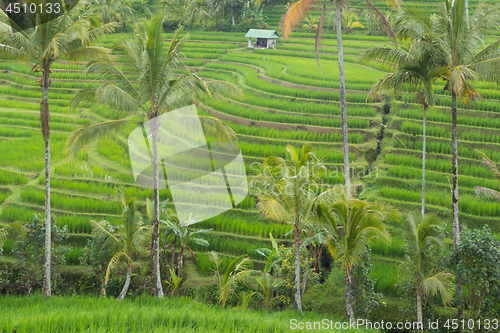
[[424, 240], [415, 69], [286, 189], [350, 225], [68, 37], [292, 18], [150, 91], [130, 236], [466, 54]]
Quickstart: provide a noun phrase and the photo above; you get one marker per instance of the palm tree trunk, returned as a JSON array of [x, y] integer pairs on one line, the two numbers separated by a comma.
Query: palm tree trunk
[[467, 13], [156, 217], [456, 224], [343, 109], [103, 287], [127, 283], [348, 296], [232, 16], [420, 319], [423, 161], [297, 269], [46, 137]]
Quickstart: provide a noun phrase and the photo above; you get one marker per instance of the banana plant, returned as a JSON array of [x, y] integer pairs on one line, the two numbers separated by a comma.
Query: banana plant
[[272, 265]]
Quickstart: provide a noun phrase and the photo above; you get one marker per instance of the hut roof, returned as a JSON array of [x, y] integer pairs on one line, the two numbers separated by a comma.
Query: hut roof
[[257, 33]]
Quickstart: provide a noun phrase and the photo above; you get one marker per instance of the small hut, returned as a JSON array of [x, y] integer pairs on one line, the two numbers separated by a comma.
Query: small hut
[[265, 38]]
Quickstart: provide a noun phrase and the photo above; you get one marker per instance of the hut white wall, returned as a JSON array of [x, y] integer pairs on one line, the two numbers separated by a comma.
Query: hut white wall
[[271, 42]]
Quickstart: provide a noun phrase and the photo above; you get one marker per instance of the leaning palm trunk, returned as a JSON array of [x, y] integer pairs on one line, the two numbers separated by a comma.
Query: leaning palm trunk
[[297, 269], [156, 214], [46, 137], [420, 319], [345, 146], [127, 283], [423, 160], [348, 296]]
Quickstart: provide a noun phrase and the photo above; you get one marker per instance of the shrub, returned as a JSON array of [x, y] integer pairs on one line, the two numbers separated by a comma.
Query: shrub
[[30, 255]]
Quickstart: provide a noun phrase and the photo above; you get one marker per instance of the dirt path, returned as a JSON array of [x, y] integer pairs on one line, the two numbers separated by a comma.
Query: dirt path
[[298, 86]]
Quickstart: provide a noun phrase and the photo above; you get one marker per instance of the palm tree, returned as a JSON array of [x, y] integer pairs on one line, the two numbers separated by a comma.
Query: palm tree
[[463, 51], [236, 273], [154, 91], [467, 55], [423, 237], [496, 172], [110, 11], [350, 225], [183, 234], [131, 234], [311, 23], [67, 37], [16, 226], [292, 18], [267, 283], [416, 69], [286, 189], [349, 20]]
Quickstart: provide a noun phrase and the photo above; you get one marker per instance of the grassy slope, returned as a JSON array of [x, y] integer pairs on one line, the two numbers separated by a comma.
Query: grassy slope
[[289, 77], [146, 314]]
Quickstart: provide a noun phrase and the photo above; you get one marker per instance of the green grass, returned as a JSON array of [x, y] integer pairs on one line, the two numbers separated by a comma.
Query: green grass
[[35, 314]]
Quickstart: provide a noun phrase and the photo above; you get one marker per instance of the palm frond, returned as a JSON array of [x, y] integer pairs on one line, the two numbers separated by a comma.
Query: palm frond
[[439, 283], [17, 226], [295, 13], [91, 133], [490, 164], [383, 20]]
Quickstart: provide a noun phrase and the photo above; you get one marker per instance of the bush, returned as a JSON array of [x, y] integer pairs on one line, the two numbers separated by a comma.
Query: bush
[[476, 261], [30, 255]]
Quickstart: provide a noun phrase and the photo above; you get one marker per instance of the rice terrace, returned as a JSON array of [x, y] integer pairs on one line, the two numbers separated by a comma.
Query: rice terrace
[[249, 166]]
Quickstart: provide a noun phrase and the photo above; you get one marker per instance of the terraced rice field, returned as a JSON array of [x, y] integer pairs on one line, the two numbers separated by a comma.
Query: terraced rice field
[[288, 99]]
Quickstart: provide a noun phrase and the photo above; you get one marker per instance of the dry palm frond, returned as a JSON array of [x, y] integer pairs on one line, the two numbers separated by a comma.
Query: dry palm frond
[[295, 13]]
